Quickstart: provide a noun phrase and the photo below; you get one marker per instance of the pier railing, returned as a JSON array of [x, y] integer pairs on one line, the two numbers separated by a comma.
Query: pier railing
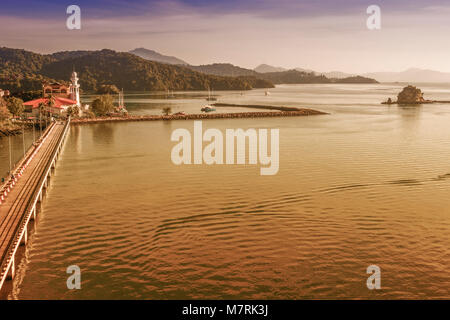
[[9, 181], [20, 235]]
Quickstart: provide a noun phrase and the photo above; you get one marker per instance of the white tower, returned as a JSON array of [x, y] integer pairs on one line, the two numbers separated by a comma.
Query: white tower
[[75, 89]]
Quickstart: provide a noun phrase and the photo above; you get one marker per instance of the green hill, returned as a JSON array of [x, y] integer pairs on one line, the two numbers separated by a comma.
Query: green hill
[[18, 62], [130, 72], [294, 77], [298, 77], [278, 77], [23, 70], [156, 56], [224, 69]]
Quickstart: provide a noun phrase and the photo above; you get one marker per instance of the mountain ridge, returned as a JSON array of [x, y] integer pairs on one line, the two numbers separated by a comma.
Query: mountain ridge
[[22, 70], [293, 76], [411, 75], [153, 55]]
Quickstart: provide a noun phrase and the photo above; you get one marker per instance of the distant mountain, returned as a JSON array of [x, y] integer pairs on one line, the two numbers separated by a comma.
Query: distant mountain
[[156, 56], [229, 70], [224, 69], [305, 70], [354, 79], [298, 77], [22, 71], [294, 77], [410, 75], [337, 74], [265, 68], [61, 55]]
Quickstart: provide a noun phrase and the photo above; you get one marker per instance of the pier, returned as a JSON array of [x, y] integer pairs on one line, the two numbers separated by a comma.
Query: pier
[[23, 192]]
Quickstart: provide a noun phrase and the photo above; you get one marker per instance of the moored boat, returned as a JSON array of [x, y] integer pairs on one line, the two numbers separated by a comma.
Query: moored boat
[[208, 108]]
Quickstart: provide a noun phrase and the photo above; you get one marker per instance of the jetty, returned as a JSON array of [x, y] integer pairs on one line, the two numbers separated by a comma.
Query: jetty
[[257, 106], [21, 194], [200, 116]]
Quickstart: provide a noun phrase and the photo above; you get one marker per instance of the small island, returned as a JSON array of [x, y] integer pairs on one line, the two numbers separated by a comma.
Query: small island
[[411, 95]]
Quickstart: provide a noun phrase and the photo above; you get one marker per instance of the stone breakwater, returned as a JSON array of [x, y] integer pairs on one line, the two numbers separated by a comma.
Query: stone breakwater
[[256, 106], [14, 129], [299, 113]]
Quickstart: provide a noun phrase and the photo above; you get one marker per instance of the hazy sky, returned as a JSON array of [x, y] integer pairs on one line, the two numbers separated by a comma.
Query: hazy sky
[[322, 35]]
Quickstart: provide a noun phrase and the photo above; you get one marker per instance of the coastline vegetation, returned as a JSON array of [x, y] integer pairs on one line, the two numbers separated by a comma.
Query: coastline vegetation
[[108, 89], [103, 105], [23, 71], [104, 71]]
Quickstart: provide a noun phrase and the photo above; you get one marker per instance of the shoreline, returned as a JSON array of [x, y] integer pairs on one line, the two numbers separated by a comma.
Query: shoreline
[[201, 116]]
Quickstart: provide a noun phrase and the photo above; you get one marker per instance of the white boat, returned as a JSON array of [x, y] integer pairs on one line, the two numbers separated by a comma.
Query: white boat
[[121, 106], [170, 94], [208, 108], [210, 97]]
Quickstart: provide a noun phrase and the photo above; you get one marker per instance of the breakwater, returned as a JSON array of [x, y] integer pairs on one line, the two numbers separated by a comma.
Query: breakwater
[[16, 128], [9, 132], [257, 106], [201, 116]]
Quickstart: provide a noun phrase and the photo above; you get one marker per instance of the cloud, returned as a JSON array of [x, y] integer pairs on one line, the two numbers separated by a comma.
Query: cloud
[[311, 34]]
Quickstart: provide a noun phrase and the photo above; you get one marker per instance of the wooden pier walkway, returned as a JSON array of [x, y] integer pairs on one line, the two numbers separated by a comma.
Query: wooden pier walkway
[[19, 196]]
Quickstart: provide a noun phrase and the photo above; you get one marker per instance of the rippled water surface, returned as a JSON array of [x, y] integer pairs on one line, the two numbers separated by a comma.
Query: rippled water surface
[[366, 184]]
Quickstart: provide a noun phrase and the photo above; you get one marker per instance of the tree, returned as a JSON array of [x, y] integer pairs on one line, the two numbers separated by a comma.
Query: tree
[[167, 111], [103, 105], [73, 111], [4, 112], [42, 109], [108, 89], [15, 106], [89, 114]]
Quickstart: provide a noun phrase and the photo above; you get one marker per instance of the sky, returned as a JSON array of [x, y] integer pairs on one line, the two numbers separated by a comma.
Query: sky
[[322, 35]]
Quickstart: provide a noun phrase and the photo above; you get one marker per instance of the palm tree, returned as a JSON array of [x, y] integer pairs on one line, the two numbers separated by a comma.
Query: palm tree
[[167, 111], [50, 103], [41, 110]]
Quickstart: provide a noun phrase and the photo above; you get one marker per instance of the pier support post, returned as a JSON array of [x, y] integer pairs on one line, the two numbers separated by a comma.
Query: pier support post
[[12, 270], [25, 236], [33, 213]]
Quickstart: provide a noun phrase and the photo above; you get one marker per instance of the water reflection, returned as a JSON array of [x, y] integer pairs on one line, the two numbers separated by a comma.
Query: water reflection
[[103, 134], [364, 185]]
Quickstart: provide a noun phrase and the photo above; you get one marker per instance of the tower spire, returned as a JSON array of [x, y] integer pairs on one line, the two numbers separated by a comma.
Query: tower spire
[[75, 88]]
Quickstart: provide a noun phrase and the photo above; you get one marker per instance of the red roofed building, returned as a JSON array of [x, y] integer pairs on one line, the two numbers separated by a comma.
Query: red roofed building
[[56, 97], [57, 105]]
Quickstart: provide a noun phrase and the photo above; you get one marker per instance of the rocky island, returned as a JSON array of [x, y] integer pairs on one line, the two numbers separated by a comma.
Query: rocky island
[[409, 95]]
